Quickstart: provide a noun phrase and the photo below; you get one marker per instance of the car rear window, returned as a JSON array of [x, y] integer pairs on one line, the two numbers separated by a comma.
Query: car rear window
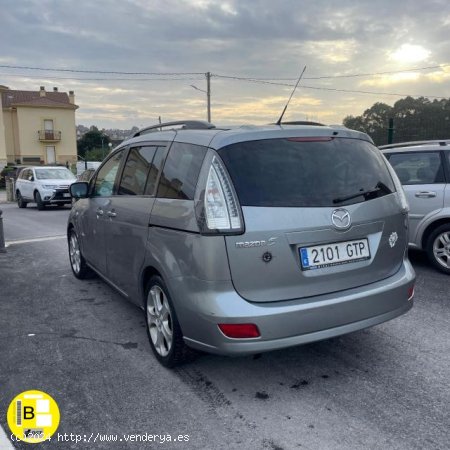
[[316, 172]]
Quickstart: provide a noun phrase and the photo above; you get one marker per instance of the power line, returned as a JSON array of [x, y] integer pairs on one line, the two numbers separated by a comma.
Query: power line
[[375, 93], [40, 77], [354, 75], [254, 80], [184, 77], [105, 72]]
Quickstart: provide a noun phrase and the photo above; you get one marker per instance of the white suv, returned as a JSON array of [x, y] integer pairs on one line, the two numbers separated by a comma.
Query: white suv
[[44, 185]]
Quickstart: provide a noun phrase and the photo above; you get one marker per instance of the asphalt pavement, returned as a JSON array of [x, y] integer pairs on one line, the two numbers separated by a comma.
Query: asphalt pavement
[[382, 388], [29, 223]]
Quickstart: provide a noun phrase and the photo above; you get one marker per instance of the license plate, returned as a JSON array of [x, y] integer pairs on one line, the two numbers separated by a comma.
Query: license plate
[[66, 194], [320, 256]]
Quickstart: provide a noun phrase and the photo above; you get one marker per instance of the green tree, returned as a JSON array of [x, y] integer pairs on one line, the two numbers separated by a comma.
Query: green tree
[[93, 139], [96, 154], [373, 121], [414, 119]]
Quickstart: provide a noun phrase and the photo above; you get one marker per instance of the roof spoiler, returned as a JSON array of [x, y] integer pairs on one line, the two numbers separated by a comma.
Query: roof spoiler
[[299, 122]]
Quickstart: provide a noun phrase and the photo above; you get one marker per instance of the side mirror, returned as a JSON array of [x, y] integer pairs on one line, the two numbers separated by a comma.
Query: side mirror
[[79, 189], [31, 178]]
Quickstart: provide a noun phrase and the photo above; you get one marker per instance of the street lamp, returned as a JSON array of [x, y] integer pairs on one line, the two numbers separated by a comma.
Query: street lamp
[[198, 89], [110, 146]]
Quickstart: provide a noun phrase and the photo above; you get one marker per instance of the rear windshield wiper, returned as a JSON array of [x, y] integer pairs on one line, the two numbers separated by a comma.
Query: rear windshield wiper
[[380, 186]]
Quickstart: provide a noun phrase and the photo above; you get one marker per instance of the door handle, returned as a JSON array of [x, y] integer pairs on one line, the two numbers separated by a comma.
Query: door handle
[[99, 212], [111, 213], [425, 194]]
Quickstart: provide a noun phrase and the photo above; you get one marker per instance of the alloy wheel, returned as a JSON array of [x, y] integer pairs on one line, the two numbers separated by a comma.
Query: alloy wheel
[[159, 320], [74, 253], [441, 249]]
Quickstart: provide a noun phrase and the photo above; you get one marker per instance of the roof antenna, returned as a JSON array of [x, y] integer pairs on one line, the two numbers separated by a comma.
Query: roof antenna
[[284, 110]]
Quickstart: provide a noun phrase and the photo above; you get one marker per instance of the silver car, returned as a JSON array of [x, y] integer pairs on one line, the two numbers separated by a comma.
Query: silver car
[[424, 170], [244, 240]]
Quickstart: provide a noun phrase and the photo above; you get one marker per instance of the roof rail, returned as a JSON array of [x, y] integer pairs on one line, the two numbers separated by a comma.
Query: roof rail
[[185, 125], [442, 142]]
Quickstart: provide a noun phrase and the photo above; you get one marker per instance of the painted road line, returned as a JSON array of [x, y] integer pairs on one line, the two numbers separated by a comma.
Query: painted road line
[[39, 239]]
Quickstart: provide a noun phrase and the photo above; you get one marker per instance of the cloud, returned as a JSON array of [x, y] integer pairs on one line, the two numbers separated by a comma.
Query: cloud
[[253, 38], [264, 110], [409, 53], [402, 79], [338, 51]]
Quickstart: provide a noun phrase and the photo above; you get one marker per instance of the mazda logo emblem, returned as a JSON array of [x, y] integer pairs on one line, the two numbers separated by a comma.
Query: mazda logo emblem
[[340, 218]]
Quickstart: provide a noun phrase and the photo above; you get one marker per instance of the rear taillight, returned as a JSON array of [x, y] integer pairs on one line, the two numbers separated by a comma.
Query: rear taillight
[[220, 211], [239, 330]]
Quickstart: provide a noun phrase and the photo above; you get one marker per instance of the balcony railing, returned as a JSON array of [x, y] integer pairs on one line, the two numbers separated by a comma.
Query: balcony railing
[[49, 135]]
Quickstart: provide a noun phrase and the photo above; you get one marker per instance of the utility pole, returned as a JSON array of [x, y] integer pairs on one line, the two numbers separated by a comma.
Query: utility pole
[[208, 94]]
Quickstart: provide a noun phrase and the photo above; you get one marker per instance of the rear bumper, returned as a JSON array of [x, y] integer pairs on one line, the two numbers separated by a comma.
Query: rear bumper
[[201, 305]]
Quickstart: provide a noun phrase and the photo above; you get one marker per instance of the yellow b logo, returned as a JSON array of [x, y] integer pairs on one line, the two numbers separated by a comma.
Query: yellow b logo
[[33, 416]]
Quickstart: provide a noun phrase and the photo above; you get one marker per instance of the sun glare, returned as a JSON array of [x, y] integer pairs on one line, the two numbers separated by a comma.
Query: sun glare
[[409, 53]]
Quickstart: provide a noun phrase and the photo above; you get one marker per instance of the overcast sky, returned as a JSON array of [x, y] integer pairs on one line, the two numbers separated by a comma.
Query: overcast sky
[[258, 39]]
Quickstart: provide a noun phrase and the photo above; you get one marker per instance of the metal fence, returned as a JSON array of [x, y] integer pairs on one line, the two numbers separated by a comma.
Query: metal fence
[[409, 129]]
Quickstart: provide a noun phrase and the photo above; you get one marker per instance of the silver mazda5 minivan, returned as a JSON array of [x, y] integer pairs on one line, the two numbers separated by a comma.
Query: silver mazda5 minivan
[[244, 240]]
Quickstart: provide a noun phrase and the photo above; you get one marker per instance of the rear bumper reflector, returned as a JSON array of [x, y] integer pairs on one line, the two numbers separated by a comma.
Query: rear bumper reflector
[[239, 330]]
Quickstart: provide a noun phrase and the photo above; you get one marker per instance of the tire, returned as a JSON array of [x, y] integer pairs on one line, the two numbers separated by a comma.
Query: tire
[[77, 262], [438, 248], [163, 329], [38, 199], [21, 203]]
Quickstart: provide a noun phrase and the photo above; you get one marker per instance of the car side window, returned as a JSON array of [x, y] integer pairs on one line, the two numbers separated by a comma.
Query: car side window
[[104, 182], [179, 177], [136, 170], [418, 167], [155, 170]]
